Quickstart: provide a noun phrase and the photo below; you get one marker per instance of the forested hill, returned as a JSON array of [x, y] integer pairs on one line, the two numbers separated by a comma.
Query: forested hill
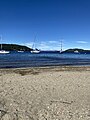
[[15, 47]]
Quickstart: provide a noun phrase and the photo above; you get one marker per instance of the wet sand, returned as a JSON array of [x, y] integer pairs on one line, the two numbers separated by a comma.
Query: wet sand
[[61, 93]]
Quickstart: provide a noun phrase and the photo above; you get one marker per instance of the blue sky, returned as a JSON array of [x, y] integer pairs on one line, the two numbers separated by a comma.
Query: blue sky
[[49, 20]]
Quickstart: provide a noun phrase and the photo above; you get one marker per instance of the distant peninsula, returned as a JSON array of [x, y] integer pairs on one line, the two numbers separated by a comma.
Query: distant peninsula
[[15, 47], [76, 50]]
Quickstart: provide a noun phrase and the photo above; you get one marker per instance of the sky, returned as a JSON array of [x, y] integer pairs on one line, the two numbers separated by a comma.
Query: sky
[[46, 23]]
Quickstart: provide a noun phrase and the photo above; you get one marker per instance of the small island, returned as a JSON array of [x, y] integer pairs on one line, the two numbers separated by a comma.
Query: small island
[[76, 50]]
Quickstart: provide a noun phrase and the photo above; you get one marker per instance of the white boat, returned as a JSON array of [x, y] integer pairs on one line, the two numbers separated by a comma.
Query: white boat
[[3, 51], [34, 49], [20, 51], [76, 51]]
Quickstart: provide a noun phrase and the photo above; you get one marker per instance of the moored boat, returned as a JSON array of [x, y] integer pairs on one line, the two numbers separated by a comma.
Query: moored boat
[[34, 49], [3, 51]]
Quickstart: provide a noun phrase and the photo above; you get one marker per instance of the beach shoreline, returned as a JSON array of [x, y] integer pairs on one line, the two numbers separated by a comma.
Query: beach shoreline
[[47, 68], [41, 93]]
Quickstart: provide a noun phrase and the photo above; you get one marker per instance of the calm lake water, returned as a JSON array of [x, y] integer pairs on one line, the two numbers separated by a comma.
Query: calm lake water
[[26, 59]]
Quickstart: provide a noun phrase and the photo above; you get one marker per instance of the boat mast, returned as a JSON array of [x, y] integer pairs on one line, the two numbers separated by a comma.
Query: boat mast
[[1, 41], [61, 46], [33, 46]]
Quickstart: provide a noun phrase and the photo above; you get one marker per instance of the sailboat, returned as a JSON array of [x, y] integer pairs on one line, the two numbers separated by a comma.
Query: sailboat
[[3, 51], [61, 47], [34, 49]]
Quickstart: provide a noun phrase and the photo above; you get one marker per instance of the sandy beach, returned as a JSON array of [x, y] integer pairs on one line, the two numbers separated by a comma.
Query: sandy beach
[[61, 93]]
